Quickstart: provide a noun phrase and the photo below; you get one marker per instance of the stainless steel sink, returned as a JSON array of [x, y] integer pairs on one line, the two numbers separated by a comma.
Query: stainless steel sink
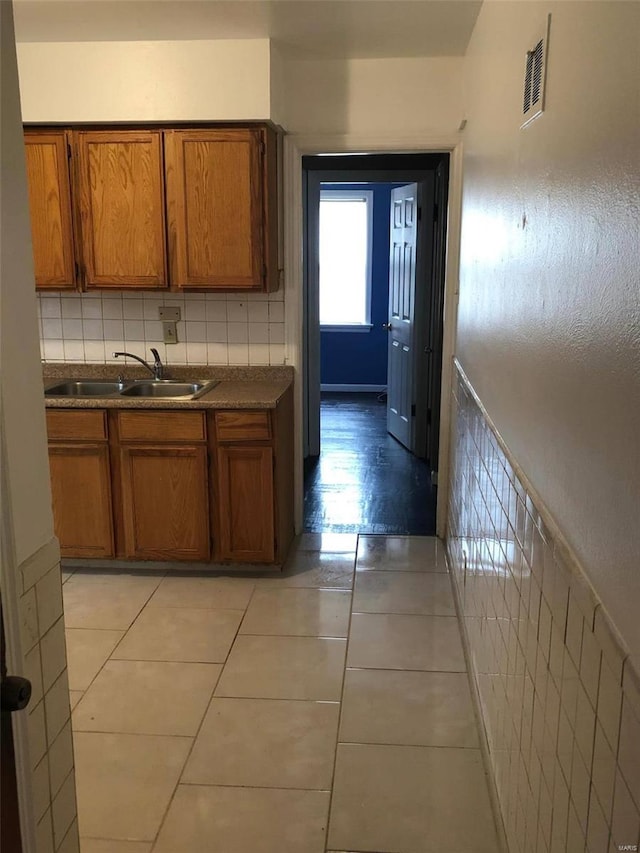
[[85, 388], [168, 388]]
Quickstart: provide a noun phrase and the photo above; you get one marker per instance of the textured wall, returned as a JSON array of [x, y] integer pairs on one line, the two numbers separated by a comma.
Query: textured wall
[[549, 316]]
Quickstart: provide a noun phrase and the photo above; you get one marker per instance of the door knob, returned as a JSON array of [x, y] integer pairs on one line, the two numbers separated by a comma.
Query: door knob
[[15, 693], [387, 326]]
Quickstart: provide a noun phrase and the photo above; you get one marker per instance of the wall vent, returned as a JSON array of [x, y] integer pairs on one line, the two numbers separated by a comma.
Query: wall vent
[[534, 77]]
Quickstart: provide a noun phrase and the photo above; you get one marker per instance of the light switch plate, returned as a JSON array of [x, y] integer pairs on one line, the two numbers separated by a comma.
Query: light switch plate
[[169, 333], [169, 313]]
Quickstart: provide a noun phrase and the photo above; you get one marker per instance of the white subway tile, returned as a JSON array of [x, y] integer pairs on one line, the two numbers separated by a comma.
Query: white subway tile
[[51, 328], [56, 704], [44, 834], [132, 309], [94, 351], [238, 353], [276, 312], [50, 306], [92, 330], [112, 308], [195, 310], [60, 758], [276, 333], [133, 330], [92, 308], [216, 311], [237, 312], [153, 330], [258, 312], [196, 332], [40, 788], [151, 306], [72, 330], [49, 599], [276, 353], [237, 333], [53, 653], [217, 333], [64, 809], [217, 353], [259, 354], [258, 333], [71, 307], [197, 353], [113, 330]]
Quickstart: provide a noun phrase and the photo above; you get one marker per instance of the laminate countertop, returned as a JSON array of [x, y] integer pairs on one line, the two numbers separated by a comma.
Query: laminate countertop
[[237, 388]]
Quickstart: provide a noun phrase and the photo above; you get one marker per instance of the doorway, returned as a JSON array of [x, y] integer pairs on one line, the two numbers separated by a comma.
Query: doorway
[[386, 488]]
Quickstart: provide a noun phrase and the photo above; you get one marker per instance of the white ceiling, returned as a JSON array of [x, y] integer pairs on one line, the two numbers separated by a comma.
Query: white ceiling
[[334, 29]]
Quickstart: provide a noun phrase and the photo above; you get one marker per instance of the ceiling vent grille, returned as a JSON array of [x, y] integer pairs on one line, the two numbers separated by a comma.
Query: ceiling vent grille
[[534, 78]]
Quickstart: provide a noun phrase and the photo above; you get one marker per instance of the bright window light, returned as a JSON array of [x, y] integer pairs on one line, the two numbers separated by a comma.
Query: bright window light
[[346, 218]]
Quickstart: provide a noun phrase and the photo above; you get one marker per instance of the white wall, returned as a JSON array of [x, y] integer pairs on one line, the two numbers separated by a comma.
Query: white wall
[[549, 315], [145, 81], [394, 97]]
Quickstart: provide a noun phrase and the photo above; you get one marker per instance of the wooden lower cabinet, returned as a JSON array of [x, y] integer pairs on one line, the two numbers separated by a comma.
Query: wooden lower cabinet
[[173, 485], [81, 482], [165, 505], [246, 504]]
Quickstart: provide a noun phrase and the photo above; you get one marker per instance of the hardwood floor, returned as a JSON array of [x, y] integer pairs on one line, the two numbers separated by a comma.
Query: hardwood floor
[[364, 481]]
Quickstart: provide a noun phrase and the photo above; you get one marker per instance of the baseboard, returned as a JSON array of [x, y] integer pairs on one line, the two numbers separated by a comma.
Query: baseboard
[[372, 389]]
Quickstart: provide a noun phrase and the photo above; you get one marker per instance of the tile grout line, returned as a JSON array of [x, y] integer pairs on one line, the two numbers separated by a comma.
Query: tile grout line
[[199, 729], [344, 677]]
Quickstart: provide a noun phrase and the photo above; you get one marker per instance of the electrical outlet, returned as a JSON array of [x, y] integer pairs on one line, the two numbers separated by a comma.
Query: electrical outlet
[[169, 313], [169, 333]]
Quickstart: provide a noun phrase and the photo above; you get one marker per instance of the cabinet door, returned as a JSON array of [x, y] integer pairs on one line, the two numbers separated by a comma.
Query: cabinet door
[[50, 208], [165, 502], [81, 497], [121, 181], [215, 208], [245, 504]]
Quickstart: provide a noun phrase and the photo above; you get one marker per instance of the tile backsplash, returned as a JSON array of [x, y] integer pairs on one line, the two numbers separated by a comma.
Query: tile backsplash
[[215, 328], [559, 696]]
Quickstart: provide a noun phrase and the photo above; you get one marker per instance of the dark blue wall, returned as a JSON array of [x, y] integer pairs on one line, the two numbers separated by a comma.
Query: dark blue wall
[[360, 358]]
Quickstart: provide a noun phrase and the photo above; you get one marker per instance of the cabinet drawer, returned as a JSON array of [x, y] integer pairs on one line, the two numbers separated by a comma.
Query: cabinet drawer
[[161, 426], [76, 425], [243, 426]]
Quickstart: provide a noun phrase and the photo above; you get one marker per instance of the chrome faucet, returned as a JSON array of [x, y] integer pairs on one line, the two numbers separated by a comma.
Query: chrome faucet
[[158, 367]]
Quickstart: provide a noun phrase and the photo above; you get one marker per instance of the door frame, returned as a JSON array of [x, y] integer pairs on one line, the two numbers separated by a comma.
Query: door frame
[[295, 147]]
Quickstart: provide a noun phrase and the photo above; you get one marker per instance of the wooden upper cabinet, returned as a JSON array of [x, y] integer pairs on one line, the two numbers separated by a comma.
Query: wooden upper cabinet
[[50, 207], [216, 208], [121, 188]]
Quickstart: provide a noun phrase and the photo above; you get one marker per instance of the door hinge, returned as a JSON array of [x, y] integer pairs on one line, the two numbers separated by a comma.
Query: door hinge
[[413, 410]]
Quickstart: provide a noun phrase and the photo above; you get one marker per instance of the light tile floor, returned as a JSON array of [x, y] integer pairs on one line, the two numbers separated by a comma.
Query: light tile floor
[[323, 709]]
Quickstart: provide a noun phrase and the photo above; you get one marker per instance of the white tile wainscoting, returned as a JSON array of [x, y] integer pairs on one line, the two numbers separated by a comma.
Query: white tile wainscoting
[[215, 328], [559, 696]]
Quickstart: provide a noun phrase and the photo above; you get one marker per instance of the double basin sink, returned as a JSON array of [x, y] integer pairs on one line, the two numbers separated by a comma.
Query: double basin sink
[[167, 389]]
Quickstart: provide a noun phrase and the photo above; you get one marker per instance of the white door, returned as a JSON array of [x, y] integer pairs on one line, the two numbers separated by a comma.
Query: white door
[[402, 294]]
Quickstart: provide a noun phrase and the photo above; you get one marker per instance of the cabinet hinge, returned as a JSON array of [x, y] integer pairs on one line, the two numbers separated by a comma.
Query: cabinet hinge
[[263, 147], [69, 150], [77, 270], [413, 410]]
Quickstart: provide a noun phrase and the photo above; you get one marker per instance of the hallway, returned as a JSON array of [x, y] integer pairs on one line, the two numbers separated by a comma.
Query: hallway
[[364, 480], [324, 709]]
